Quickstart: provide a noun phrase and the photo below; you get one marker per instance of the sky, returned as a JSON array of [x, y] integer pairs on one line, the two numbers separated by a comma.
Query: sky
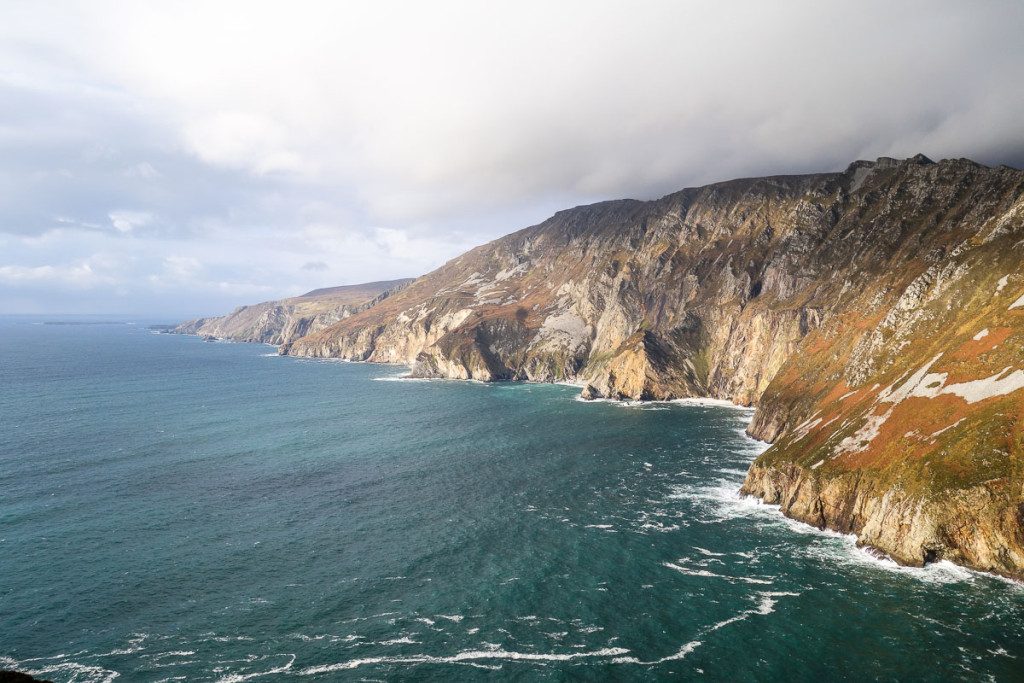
[[182, 158]]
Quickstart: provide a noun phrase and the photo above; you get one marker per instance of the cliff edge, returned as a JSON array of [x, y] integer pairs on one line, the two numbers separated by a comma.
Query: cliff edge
[[280, 322], [874, 316]]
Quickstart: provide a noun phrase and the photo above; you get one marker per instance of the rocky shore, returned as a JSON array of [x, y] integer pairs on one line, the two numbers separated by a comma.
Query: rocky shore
[[875, 317]]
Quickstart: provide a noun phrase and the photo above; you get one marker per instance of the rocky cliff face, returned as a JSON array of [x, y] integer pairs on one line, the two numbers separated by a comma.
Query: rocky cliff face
[[692, 295], [901, 418], [875, 316], [279, 322]]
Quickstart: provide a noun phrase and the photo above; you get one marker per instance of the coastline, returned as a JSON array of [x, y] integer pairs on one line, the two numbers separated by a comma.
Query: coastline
[[808, 514]]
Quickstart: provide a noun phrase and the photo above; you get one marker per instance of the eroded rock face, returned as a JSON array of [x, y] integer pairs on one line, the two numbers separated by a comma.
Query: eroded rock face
[[875, 316], [901, 417], [692, 295], [280, 322], [977, 526]]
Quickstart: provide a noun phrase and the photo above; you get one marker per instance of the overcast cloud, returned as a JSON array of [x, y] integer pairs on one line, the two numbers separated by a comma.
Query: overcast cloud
[[181, 158]]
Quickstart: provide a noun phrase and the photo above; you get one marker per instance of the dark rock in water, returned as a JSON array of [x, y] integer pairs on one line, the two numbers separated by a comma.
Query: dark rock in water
[[18, 677]]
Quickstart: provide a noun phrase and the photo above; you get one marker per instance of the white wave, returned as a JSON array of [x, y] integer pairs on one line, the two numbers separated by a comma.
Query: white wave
[[180, 662], [715, 402], [404, 640], [847, 550], [181, 653], [834, 546], [765, 606], [80, 673], [656, 405], [709, 574], [403, 378], [228, 639], [626, 403], [831, 545], [751, 446], [237, 678], [134, 645], [739, 474], [681, 654], [465, 657], [723, 494]]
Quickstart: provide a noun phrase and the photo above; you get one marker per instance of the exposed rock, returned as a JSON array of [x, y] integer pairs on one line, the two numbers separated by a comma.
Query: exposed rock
[[18, 677], [847, 306], [279, 322], [978, 526], [900, 417], [664, 299]]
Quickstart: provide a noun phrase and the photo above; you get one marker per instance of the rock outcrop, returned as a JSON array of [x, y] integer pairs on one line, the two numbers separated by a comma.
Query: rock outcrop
[[692, 295], [901, 417], [18, 677], [874, 316], [280, 322]]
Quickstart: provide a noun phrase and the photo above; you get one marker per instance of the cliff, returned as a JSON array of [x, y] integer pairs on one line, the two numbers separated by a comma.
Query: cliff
[[901, 419], [279, 322], [874, 316]]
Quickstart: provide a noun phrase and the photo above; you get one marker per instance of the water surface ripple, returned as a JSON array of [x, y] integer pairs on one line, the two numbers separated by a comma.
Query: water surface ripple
[[175, 510]]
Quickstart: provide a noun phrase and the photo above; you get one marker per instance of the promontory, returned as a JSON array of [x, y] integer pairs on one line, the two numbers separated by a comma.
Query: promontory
[[875, 318]]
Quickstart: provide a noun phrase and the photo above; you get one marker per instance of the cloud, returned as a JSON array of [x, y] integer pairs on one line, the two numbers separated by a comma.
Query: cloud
[[127, 221], [142, 170], [244, 140], [318, 266], [380, 139], [74, 276], [180, 267]]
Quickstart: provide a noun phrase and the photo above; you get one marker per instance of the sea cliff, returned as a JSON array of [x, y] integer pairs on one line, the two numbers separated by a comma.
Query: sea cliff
[[279, 322], [874, 316]]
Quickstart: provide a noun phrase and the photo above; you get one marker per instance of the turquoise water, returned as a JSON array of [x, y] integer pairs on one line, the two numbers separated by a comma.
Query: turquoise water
[[177, 510]]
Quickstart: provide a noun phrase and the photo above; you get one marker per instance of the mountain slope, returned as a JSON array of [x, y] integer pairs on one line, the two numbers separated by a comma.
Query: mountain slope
[[875, 316], [278, 322]]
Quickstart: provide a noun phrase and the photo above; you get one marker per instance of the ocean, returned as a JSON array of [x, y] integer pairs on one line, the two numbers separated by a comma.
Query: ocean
[[178, 510]]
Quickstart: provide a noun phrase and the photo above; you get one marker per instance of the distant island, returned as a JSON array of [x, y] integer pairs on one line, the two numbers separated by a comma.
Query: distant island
[[85, 322], [875, 318]]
